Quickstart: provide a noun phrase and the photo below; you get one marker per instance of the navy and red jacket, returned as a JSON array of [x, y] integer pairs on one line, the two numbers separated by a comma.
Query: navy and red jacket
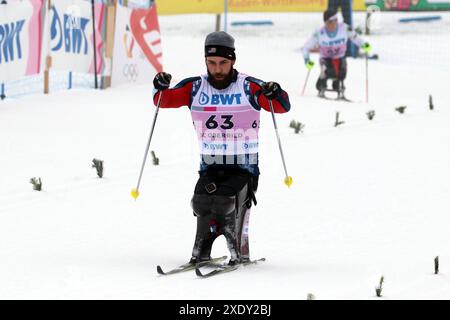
[[183, 93]]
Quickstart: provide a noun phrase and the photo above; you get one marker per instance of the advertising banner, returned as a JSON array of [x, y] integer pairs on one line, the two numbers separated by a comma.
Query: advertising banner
[[412, 5], [167, 7], [136, 3], [276, 5], [20, 39], [137, 46], [70, 36]]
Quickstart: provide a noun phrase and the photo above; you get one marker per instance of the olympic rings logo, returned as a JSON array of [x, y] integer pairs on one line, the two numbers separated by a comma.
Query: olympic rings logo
[[131, 72]]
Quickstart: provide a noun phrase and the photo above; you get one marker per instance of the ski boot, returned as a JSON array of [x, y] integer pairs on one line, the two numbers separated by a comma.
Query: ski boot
[[338, 86], [321, 86]]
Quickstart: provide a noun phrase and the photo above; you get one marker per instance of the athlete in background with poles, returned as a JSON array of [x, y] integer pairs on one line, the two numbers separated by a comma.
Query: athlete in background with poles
[[331, 40]]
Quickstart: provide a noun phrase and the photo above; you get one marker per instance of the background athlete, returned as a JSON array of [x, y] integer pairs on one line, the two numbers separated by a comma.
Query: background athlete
[[331, 40]]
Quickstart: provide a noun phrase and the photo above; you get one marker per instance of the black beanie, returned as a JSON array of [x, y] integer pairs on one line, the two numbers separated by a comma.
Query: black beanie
[[220, 44], [328, 14]]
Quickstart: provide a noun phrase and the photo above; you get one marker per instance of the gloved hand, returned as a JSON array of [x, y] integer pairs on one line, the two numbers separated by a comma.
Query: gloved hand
[[162, 81], [309, 64], [271, 90], [366, 47]]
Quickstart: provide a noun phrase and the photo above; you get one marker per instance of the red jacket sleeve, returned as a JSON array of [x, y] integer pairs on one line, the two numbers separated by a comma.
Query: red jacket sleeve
[[280, 105], [180, 95]]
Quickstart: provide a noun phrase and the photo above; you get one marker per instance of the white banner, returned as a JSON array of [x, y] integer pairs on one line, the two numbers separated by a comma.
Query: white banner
[[20, 39], [69, 35], [136, 3], [137, 46]]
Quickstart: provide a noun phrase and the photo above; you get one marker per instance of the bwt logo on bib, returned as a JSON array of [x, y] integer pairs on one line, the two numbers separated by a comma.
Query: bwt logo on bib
[[333, 42], [223, 99]]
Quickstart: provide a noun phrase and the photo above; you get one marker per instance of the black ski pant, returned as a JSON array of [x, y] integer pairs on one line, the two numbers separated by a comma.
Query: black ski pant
[[335, 69], [221, 203]]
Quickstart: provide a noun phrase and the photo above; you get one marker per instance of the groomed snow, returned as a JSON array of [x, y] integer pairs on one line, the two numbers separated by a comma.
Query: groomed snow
[[369, 198]]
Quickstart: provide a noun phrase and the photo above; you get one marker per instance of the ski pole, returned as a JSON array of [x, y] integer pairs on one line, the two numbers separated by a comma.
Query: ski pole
[[288, 179], [367, 78], [306, 81], [367, 48], [135, 191], [309, 66]]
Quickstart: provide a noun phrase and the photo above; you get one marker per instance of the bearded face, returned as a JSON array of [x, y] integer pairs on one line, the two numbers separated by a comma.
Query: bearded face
[[220, 71]]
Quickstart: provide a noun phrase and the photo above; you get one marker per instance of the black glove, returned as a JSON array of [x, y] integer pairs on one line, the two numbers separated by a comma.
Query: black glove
[[162, 81], [271, 90]]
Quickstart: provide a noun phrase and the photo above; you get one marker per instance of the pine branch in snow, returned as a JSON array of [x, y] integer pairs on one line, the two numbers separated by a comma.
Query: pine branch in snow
[[436, 265], [37, 183], [98, 165], [292, 124], [299, 127], [337, 122], [155, 159], [310, 296], [379, 288], [401, 109], [371, 114]]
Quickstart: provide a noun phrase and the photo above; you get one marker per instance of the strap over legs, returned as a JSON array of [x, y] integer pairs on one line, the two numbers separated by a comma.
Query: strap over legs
[[221, 202]]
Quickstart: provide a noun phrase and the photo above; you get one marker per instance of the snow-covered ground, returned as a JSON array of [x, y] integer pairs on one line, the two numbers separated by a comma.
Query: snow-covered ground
[[369, 199]]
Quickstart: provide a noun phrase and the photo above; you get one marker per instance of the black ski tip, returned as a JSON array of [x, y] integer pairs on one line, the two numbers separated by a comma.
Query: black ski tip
[[159, 270], [198, 272]]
